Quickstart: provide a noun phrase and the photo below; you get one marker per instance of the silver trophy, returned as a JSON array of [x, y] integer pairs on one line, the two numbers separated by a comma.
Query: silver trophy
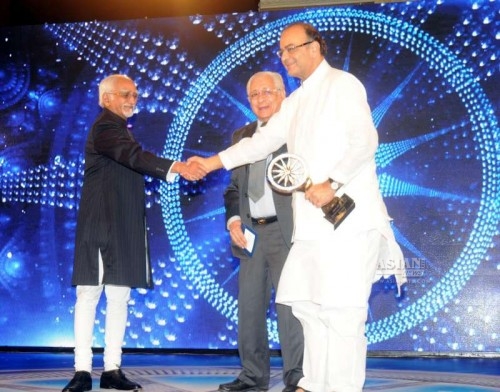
[[288, 173]]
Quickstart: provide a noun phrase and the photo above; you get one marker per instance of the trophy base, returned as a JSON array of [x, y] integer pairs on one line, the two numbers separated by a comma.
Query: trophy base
[[338, 209]]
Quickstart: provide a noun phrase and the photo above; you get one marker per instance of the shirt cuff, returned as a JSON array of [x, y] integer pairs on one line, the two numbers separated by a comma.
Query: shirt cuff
[[225, 160], [171, 177], [231, 220]]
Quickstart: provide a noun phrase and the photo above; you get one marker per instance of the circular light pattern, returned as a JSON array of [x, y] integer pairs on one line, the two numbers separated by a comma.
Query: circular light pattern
[[438, 58], [14, 81], [462, 217]]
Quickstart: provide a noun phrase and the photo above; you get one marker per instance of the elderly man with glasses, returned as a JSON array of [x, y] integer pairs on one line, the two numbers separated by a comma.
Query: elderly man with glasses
[[111, 250], [252, 205]]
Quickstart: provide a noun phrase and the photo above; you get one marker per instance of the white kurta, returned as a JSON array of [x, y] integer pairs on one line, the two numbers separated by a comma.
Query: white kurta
[[327, 121]]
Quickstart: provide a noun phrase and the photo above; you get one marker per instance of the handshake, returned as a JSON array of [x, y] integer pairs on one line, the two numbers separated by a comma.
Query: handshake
[[195, 168]]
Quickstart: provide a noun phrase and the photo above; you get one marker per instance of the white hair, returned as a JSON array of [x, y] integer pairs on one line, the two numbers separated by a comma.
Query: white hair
[[108, 84], [278, 80]]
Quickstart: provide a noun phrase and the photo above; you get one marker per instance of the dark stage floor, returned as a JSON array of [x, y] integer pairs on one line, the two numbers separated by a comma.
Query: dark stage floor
[[48, 371]]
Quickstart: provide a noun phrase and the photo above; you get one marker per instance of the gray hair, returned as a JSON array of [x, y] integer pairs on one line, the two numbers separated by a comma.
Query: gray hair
[[278, 80], [108, 84]]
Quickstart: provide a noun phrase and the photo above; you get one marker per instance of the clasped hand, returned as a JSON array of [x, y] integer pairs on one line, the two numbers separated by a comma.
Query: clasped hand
[[320, 194], [191, 171]]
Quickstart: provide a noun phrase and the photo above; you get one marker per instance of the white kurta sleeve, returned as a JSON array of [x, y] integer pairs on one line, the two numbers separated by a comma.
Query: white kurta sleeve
[[264, 141]]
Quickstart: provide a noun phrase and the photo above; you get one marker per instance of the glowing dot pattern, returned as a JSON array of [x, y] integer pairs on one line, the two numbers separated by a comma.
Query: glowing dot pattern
[[171, 83], [439, 59]]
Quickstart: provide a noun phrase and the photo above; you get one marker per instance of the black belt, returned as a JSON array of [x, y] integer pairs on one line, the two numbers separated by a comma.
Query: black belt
[[264, 221]]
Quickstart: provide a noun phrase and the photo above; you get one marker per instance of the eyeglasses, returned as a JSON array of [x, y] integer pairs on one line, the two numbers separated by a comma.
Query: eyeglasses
[[291, 48], [124, 94], [265, 92]]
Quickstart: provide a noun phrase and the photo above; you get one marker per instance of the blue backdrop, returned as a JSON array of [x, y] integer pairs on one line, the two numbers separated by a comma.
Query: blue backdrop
[[431, 73]]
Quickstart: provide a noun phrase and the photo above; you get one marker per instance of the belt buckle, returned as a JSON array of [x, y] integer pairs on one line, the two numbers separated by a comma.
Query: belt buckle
[[261, 221]]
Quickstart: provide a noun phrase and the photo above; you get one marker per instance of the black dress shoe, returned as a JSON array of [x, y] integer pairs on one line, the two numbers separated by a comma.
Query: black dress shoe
[[80, 382], [238, 386], [290, 388], [115, 379]]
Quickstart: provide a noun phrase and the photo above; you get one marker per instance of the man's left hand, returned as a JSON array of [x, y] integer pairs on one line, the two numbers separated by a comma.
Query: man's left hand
[[320, 194]]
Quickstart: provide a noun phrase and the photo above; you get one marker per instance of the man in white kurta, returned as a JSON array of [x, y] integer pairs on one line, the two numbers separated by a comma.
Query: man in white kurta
[[329, 272]]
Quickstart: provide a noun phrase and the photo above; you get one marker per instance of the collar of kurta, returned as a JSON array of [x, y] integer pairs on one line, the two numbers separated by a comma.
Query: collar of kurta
[[317, 76]]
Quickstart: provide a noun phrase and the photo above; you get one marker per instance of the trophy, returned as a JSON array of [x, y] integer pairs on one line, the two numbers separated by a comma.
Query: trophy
[[288, 173]]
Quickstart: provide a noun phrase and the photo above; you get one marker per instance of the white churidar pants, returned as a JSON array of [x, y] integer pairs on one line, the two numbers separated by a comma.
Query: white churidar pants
[[327, 284], [334, 349], [87, 298]]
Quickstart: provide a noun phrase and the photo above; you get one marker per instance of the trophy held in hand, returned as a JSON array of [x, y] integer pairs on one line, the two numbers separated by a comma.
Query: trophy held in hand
[[288, 173]]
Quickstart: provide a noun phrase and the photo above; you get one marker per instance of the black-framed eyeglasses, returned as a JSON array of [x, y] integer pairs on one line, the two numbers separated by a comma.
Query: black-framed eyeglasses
[[265, 92], [291, 48], [124, 94]]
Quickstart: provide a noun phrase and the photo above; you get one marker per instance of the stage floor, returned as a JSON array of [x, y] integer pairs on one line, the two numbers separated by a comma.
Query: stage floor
[[21, 371]]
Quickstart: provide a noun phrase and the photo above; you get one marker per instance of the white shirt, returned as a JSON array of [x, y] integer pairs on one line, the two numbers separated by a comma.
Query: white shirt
[[264, 207]]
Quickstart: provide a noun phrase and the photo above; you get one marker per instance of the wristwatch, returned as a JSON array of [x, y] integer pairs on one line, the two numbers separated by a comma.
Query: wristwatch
[[335, 184]]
